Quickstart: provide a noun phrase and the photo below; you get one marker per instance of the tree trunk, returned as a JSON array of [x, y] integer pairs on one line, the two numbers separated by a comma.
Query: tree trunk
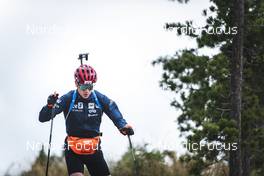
[[246, 159], [235, 161]]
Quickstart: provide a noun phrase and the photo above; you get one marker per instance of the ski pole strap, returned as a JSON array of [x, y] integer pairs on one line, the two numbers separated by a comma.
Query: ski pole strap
[[96, 100]]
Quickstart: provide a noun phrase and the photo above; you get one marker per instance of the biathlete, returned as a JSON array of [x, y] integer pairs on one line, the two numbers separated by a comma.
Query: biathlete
[[83, 109]]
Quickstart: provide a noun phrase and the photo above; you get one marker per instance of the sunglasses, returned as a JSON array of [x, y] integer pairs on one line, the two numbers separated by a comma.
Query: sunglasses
[[86, 86]]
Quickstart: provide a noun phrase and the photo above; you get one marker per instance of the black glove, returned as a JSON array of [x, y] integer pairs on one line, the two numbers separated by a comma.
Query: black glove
[[130, 131], [52, 100], [127, 130]]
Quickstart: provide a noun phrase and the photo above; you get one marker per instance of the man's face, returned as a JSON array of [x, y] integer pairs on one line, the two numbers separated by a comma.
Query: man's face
[[84, 91]]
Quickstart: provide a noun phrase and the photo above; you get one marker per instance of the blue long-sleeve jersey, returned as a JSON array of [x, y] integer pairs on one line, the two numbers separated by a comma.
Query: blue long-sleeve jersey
[[85, 117]]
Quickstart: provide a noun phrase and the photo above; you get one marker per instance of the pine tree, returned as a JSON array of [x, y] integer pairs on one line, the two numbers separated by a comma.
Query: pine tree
[[203, 83]]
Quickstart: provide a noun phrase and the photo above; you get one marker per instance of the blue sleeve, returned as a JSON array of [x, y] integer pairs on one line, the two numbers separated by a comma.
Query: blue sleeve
[[45, 113], [111, 110]]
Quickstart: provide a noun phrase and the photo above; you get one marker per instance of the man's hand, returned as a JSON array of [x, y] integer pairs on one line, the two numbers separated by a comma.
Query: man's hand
[[127, 130], [52, 99]]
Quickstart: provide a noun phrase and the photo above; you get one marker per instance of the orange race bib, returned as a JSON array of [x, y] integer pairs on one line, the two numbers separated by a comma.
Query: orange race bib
[[83, 146]]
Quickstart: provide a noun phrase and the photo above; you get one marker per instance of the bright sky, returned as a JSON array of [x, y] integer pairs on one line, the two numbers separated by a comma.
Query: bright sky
[[39, 45]]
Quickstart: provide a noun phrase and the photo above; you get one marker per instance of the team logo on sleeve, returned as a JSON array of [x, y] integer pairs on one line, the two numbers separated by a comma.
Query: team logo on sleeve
[[58, 101]]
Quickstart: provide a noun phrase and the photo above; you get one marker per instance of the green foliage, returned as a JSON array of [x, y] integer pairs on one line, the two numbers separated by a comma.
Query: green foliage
[[150, 163], [56, 167], [157, 163], [203, 84]]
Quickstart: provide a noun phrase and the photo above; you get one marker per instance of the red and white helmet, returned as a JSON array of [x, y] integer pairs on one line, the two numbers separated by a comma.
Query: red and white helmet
[[85, 74]]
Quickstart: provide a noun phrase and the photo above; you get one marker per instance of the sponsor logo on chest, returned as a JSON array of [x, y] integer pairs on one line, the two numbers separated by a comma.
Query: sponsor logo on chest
[[78, 107], [91, 105], [91, 108]]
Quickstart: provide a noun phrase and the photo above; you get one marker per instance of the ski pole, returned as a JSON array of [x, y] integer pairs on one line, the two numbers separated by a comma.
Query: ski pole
[[131, 148], [136, 173], [50, 137]]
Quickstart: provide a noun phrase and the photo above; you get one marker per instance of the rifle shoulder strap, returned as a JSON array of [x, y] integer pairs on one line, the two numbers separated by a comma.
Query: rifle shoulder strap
[[72, 103], [96, 100]]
